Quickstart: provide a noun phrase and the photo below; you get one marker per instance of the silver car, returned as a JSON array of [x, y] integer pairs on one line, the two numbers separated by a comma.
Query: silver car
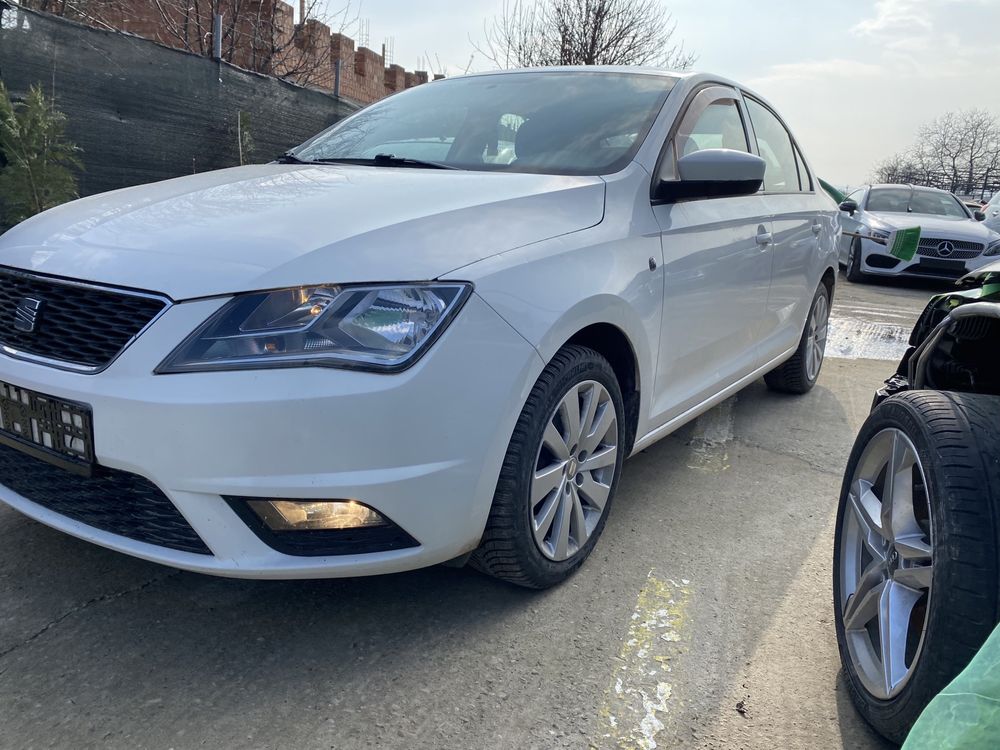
[[992, 211], [952, 241]]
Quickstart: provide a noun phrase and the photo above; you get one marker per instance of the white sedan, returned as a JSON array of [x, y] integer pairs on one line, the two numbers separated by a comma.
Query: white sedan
[[952, 241], [368, 357]]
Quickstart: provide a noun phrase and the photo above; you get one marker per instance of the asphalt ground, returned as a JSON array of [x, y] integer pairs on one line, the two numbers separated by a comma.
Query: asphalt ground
[[703, 619]]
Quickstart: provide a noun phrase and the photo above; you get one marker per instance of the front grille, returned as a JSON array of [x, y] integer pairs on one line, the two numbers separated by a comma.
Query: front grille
[[114, 501], [79, 325], [930, 247]]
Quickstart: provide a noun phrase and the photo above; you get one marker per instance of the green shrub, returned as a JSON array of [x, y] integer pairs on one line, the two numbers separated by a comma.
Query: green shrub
[[38, 173]]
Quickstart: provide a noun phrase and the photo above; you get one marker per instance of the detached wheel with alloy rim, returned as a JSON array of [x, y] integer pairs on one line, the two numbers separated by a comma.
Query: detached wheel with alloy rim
[[800, 373], [916, 551], [559, 475], [853, 270]]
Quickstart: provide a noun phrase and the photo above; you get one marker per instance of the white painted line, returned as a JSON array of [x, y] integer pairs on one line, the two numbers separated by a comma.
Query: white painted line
[[638, 699], [855, 338]]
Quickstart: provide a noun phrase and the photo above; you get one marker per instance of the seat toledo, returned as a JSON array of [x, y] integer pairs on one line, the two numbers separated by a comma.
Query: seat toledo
[[432, 332]]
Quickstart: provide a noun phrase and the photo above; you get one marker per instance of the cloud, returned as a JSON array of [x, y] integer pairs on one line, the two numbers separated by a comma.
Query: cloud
[[817, 70]]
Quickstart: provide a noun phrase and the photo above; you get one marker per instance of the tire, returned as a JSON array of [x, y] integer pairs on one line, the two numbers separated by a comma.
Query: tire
[[800, 373], [509, 549], [853, 270], [949, 571]]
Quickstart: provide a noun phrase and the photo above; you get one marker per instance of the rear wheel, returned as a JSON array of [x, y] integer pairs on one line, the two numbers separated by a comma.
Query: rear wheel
[[560, 473], [800, 373], [915, 551], [853, 271]]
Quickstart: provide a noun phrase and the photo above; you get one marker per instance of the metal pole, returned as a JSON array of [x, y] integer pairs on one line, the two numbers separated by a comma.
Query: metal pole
[[217, 36]]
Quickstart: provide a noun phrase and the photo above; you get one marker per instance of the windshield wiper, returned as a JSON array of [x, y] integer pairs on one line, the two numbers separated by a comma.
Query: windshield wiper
[[380, 160], [289, 158]]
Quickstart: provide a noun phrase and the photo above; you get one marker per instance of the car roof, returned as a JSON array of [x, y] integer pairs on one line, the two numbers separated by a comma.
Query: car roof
[[923, 188], [636, 69]]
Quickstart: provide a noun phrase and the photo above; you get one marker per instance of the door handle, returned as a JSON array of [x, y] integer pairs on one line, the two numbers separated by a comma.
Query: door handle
[[764, 238], [817, 227]]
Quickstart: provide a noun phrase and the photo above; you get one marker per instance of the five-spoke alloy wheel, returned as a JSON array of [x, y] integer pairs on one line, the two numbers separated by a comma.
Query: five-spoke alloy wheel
[[917, 551]]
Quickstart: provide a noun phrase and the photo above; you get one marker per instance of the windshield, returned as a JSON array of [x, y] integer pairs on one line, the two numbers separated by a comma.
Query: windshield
[[904, 200], [574, 123]]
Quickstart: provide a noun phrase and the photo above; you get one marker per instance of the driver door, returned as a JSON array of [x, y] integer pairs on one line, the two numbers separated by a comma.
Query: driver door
[[717, 255]]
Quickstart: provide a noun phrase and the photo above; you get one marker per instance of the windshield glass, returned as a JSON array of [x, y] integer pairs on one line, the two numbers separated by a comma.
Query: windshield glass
[[552, 123], [903, 200]]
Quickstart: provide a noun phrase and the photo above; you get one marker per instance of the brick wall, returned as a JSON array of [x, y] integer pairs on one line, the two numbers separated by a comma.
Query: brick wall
[[264, 39]]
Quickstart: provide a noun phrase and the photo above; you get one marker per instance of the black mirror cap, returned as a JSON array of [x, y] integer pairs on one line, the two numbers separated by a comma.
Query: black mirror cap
[[979, 215], [674, 191], [849, 206]]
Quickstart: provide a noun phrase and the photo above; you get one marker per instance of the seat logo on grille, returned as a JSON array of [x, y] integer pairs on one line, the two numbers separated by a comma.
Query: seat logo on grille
[[945, 249], [26, 314]]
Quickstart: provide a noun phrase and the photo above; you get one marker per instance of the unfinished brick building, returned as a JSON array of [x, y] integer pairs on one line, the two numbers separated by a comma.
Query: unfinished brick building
[[259, 35]]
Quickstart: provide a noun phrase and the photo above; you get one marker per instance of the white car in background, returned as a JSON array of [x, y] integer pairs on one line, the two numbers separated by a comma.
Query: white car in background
[[992, 212], [952, 241], [435, 330]]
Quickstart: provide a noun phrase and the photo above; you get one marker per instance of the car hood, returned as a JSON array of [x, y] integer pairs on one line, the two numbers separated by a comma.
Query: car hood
[[935, 226], [982, 273], [275, 225]]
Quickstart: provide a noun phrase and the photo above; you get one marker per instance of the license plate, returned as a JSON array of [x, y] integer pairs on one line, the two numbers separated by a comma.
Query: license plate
[[52, 429], [937, 264]]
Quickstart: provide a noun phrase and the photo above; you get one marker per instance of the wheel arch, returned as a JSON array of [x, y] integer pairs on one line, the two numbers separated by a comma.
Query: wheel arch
[[614, 345]]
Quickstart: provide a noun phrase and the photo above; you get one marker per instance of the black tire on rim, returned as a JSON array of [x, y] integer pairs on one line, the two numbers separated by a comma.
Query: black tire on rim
[[916, 551], [800, 373], [853, 272], [559, 475]]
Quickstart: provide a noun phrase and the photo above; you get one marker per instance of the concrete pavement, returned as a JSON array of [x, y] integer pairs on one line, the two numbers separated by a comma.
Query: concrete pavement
[[709, 592]]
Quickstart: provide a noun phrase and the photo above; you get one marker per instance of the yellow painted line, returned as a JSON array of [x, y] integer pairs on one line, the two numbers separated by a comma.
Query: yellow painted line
[[637, 702]]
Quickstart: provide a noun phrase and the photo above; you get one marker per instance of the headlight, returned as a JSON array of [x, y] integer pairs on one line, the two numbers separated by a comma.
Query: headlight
[[879, 235], [383, 328], [993, 248]]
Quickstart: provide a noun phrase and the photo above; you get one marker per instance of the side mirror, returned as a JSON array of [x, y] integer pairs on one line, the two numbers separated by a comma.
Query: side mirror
[[849, 206], [713, 173], [979, 215]]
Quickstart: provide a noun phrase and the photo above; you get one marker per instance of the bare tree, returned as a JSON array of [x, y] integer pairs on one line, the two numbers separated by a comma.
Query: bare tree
[[534, 33], [958, 151]]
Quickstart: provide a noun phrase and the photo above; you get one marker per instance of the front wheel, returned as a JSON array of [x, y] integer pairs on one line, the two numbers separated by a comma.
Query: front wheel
[[559, 475], [916, 551], [853, 271]]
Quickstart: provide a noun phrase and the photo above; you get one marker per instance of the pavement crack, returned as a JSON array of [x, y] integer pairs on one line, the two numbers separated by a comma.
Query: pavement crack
[[814, 465], [102, 599]]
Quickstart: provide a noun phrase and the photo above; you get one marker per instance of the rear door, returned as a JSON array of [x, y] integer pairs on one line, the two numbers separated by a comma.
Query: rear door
[[717, 266], [799, 219]]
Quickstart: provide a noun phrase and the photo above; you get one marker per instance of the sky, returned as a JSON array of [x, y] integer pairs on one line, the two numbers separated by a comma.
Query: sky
[[854, 79]]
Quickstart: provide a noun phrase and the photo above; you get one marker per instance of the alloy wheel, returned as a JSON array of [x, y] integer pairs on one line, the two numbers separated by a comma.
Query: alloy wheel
[[886, 564], [819, 325], [573, 470]]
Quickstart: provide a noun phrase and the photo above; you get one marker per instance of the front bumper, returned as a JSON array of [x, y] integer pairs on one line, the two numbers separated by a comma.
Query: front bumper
[[423, 447], [877, 262]]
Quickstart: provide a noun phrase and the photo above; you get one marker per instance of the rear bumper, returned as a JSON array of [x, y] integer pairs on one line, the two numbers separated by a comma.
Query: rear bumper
[[423, 447]]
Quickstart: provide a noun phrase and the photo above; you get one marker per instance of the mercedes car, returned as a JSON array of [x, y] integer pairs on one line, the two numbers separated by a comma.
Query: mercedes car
[[953, 240], [432, 333]]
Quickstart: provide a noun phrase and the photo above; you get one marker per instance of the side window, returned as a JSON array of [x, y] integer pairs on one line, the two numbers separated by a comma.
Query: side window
[[857, 195], [719, 125], [775, 147]]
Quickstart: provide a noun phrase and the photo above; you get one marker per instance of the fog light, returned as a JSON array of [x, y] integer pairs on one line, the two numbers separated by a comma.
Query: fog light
[[312, 515]]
